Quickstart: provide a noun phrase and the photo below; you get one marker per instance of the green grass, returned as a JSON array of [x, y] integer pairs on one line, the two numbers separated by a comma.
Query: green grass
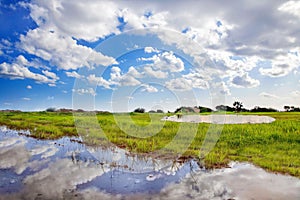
[[274, 147]]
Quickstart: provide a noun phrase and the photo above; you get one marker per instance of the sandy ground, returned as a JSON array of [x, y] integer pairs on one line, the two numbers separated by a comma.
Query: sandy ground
[[221, 119]]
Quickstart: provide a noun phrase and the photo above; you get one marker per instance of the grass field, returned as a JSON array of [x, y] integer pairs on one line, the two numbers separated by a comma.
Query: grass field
[[274, 147]]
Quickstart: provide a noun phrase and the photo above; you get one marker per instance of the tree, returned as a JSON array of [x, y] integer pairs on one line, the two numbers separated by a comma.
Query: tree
[[287, 108], [50, 109], [238, 106], [139, 110], [221, 108], [204, 109]]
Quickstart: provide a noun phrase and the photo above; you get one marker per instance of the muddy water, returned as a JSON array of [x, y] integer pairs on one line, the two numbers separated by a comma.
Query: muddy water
[[66, 169]]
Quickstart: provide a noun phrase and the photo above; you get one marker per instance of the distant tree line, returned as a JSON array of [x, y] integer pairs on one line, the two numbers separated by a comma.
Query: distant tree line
[[237, 107], [259, 109], [291, 109], [157, 111], [139, 110]]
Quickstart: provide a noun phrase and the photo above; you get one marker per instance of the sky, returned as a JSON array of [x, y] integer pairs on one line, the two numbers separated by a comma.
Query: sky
[[120, 55]]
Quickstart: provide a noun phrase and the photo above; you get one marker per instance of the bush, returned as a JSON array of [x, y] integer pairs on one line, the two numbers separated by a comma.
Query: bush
[[50, 109]]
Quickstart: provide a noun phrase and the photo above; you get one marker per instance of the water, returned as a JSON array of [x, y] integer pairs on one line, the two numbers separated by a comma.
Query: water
[[68, 169]]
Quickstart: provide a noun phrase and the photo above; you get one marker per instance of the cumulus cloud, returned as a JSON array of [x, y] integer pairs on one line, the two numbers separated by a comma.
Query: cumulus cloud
[[291, 7], [73, 74], [19, 69], [60, 50], [133, 72], [235, 37], [244, 81], [151, 50], [81, 20], [220, 88], [149, 88], [14, 154], [283, 64], [50, 74], [167, 61], [29, 87], [179, 84], [197, 80], [93, 79], [155, 73], [127, 79]]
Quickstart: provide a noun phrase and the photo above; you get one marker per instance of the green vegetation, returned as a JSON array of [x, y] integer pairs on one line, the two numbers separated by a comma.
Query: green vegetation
[[275, 146]]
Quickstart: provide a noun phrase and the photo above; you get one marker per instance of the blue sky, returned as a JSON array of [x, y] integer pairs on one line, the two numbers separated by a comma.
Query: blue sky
[[117, 56]]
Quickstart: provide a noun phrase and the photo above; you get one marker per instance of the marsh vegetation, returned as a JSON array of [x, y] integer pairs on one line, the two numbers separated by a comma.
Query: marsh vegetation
[[274, 146]]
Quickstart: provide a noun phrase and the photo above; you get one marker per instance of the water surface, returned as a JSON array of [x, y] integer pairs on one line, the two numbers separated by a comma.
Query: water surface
[[68, 169]]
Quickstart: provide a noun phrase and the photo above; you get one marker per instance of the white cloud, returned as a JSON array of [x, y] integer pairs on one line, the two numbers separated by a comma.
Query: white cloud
[[83, 91], [149, 88], [244, 81], [212, 30], [50, 75], [93, 79], [292, 7], [115, 74], [80, 19], [180, 84], [51, 84], [128, 80], [61, 50], [133, 72], [283, 64], [73, 74], [26, 99], [166, 61], [50, 98], [268, 95], [197, 80], [151, 50], [29, 87], [19, 70], [218, 88], [155, 73], [116, 78]]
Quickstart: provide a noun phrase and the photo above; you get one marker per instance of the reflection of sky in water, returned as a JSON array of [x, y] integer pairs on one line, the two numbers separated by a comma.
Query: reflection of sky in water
[[42, 169]]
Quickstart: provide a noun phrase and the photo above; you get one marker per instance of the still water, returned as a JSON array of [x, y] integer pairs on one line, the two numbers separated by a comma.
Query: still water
[[68, 169]]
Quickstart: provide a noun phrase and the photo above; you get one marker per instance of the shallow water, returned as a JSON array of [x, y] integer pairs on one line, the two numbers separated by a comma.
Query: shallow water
[[222, 119], [64, 168]]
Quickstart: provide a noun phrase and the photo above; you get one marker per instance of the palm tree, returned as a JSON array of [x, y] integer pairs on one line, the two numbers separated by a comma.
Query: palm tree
[[238, 106]]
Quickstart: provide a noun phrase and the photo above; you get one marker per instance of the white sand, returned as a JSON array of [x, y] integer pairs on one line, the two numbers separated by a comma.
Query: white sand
[[221, 119]]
